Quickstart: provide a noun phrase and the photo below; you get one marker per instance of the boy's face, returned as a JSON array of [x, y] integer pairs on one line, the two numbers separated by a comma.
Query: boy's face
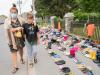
[[30, 20]]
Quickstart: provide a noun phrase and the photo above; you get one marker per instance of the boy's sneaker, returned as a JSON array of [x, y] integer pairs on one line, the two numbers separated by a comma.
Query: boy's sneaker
[[35, 60], [31, 65]]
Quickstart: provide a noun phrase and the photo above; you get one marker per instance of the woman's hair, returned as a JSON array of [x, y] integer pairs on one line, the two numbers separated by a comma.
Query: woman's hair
[[14, 5], [30, 15], [14, 8]]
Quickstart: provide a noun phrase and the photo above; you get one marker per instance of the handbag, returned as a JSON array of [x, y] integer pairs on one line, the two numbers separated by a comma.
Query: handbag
[[18, 34]]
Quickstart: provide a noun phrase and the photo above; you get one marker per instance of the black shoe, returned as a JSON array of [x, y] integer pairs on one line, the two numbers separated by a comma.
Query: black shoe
[[35, 60]]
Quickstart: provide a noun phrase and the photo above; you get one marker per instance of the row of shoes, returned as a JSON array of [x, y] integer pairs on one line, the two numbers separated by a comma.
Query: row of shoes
[[62, 62], [58, 61]]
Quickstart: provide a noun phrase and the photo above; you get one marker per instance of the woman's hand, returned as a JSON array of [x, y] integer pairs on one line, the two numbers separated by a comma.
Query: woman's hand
[[19, 28], [13, 29], [16, 29]]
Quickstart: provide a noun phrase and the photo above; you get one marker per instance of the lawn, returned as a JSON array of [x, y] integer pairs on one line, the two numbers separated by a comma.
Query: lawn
[[79, 31]]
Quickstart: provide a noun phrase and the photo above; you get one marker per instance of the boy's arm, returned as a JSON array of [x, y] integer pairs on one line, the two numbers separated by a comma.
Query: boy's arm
[[38, 36]]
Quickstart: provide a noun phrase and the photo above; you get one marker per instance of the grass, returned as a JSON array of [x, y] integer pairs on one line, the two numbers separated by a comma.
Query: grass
[[79, 31]]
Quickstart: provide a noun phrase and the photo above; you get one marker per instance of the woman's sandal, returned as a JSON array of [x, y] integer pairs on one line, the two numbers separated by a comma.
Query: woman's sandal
[[15, 70], [22, 61]]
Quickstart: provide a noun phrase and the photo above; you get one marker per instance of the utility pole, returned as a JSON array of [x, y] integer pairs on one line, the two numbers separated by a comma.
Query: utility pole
[[33, 5], [33, 10], [19, 2]]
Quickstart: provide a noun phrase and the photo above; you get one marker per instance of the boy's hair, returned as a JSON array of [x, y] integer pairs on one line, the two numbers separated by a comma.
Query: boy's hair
[[30, 15]]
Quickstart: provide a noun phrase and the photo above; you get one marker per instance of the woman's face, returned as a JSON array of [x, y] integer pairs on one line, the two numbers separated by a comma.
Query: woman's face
[[13, 14], [13, 11]]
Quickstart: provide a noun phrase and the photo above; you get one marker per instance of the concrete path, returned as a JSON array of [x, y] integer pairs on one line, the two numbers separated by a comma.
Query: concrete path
[[45, 65]]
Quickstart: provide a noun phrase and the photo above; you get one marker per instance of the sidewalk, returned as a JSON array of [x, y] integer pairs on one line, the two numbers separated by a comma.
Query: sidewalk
[[45, 65], [5, 57]]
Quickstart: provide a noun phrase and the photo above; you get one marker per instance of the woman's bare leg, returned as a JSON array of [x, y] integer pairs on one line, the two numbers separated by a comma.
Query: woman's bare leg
[[14, 59], [21, 55]]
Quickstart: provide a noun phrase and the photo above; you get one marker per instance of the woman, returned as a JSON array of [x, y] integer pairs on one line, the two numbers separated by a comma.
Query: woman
[[14, 31], [32, 38]]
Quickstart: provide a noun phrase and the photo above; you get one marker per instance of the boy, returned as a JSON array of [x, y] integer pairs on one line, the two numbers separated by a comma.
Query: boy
[[32, 37]]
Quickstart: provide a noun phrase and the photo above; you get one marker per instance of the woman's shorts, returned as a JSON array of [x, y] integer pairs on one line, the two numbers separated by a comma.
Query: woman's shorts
[[12, 50]]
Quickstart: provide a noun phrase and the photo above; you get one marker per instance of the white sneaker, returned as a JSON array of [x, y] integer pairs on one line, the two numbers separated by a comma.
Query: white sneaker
[[31, 65]]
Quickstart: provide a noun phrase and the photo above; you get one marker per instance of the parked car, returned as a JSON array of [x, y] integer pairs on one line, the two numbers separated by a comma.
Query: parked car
[[2, 21]]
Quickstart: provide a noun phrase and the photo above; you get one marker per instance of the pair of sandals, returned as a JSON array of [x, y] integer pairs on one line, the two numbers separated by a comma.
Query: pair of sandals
[[83, 68], [15, 69]]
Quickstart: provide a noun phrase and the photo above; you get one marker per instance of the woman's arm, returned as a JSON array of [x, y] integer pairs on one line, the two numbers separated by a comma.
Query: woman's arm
[[7, 31], [16, 29], [13, 29]]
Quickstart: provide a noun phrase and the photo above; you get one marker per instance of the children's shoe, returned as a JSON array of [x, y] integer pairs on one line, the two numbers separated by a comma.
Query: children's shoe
[[35, 60], [31, 65]]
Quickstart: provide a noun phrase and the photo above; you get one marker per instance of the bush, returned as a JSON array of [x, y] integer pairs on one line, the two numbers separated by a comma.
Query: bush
[[84, 16]]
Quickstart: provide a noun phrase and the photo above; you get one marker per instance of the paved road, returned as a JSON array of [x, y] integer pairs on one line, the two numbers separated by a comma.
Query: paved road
[[45, 65]]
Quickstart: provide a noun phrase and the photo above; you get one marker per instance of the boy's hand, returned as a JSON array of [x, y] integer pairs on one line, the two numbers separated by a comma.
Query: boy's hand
[[38, 42]]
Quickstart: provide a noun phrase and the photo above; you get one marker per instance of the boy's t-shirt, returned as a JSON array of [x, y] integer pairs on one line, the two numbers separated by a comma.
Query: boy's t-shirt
[[31, 33]]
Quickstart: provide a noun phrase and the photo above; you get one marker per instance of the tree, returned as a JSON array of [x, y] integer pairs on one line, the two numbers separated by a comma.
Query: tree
[[3, 16], [42, 8], [60, 7], [54, 7], [90, 5]]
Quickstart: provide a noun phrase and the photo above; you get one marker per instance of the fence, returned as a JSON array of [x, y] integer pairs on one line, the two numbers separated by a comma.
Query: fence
[[78, 28]]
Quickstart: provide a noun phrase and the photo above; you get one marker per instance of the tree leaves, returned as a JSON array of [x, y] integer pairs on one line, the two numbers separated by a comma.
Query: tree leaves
[[60, 7], [54, 7]]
